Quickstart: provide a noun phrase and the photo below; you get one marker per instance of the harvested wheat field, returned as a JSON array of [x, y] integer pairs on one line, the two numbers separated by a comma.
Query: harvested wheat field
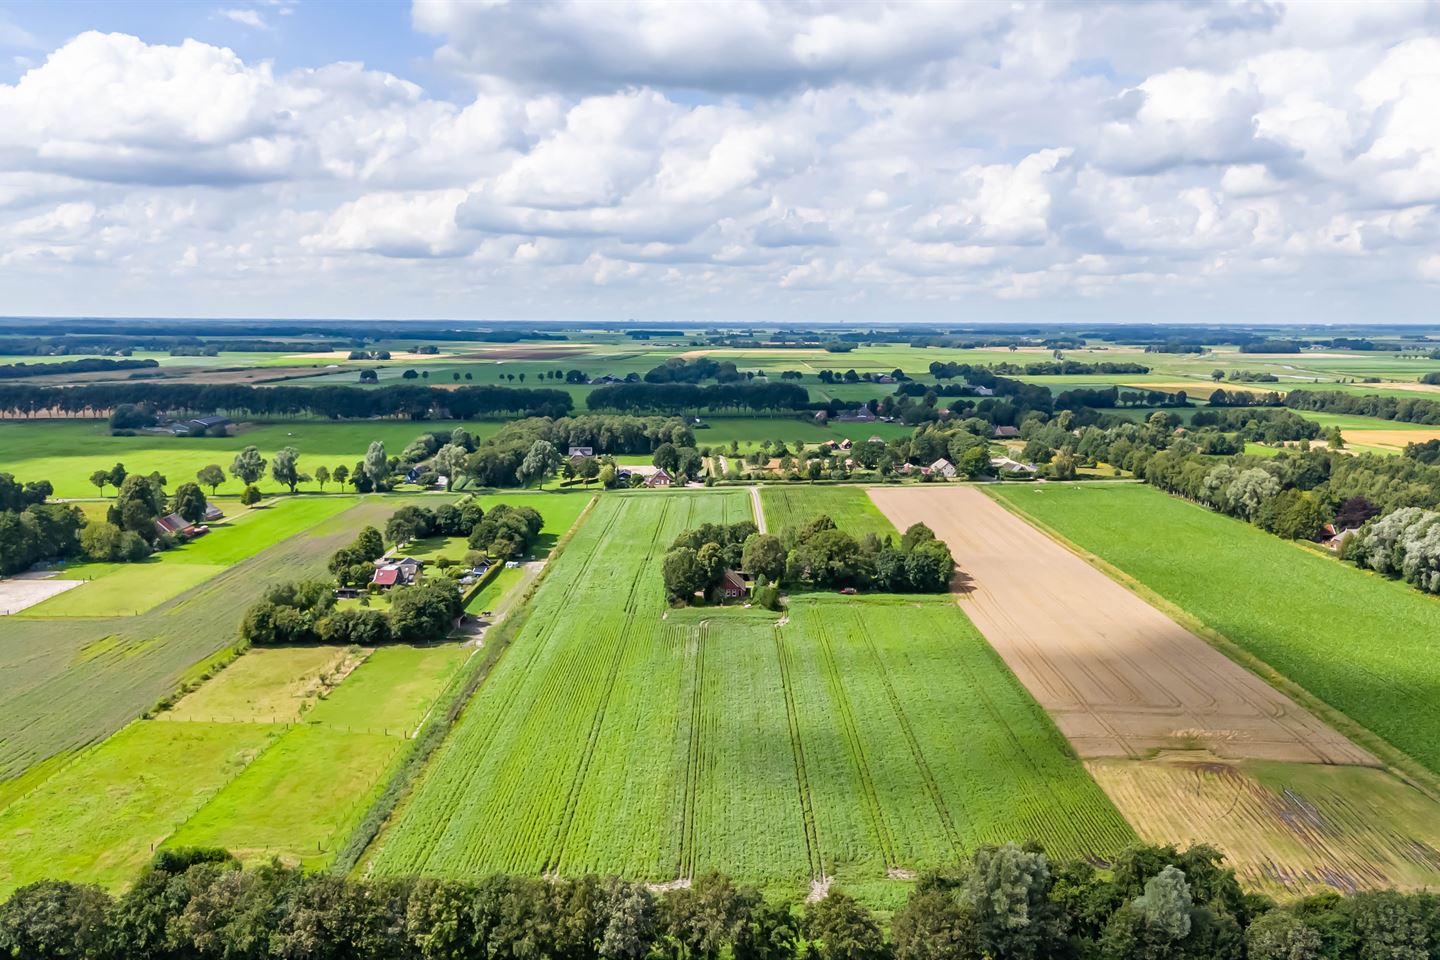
[[1120, 678], [1284, 827], [1394, 439]]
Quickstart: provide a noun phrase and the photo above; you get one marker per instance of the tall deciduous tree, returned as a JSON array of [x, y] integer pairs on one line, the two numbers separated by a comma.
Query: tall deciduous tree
[[211, 476], [248, 466]]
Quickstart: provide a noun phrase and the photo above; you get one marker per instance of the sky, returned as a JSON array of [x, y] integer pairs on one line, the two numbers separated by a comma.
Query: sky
[[737, 161]]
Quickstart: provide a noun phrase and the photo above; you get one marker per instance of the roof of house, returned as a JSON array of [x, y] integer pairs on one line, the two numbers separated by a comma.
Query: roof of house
[[1007, 431], [211, 421], [942, 464], [582, 452], [734, 580], [213, 512], [658, 478], [172, 523], [387, 575]]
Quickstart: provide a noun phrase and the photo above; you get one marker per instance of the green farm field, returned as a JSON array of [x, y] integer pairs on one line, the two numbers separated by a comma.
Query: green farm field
[[1359, 643], [848, 506], [866, 735]]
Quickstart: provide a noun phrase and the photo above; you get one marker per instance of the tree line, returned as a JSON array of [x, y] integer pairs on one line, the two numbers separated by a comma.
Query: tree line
[[333, 402], [1403, 409], [692, 398], [18, 371], [1009, 902]]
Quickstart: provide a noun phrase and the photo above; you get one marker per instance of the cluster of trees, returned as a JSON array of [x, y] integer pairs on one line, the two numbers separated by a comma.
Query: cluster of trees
[[1106, 397], [1427, 452], [1272, 346], [680, 370], [1404, 545], [334, 402], [817, 553], [17, 371], [1403, 409], [1007, 903], [691, 398], [303, 612], [1245, 398], [531, 449], [814, 554], [698, 559], [1044, 368], [31, 529]]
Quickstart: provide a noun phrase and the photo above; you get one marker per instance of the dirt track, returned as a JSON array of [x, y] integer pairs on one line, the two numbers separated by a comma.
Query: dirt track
[[1120, 678]]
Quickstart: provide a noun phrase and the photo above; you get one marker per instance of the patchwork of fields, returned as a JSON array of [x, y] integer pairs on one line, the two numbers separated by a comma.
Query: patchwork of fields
[[252, 761], [860, 738]]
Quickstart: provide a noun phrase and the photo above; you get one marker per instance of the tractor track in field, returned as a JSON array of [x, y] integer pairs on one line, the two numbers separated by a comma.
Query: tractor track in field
[[797, 748]]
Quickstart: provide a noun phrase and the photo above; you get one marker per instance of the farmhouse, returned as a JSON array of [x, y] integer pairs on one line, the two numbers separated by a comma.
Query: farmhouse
[[983, 391], [1007, 432], [174, 525], [391, 572], [876, 439], [733, 585], [659, 479], [861, 414], [1007, 465], [943, 467], [200, 425], [213, 513], [581, 453]]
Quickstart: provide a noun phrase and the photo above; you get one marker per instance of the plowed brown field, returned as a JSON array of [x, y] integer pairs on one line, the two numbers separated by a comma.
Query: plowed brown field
[[1120, 678]]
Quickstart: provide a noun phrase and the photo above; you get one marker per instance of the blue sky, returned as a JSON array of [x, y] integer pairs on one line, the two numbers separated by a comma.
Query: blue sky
[[738, 160]]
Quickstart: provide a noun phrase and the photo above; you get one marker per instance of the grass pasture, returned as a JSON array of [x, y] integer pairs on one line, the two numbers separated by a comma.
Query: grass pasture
[[864, 736], [100, 817], [848, 506], [275, 684], [1362, 644], [66, 452]]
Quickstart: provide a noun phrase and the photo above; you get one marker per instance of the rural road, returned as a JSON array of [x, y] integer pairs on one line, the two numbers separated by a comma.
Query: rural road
[[759, 510], [1119, 677]]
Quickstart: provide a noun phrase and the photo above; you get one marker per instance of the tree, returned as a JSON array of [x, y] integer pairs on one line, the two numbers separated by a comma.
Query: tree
[[284, 468], [375, 466], [248, 466], [117, 475], [340, 475], [322, 475], [764, 556], [1217, 375], [608, 476], [100, 541], [425, 612], [189, 502], [1008, 892], [933, 925], [250, 496], [101, 479], [841, 928], [683, 575], [1279, 935], [632, 924], [54, 919], [667, 458], [540, 461], [360, 628], [210, 476]]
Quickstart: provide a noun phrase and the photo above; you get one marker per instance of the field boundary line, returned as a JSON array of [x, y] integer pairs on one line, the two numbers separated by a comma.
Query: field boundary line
[[797, 750], [1400, 763]]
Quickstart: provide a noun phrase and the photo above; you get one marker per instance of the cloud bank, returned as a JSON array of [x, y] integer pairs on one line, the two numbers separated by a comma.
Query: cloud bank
[[748, 161]]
